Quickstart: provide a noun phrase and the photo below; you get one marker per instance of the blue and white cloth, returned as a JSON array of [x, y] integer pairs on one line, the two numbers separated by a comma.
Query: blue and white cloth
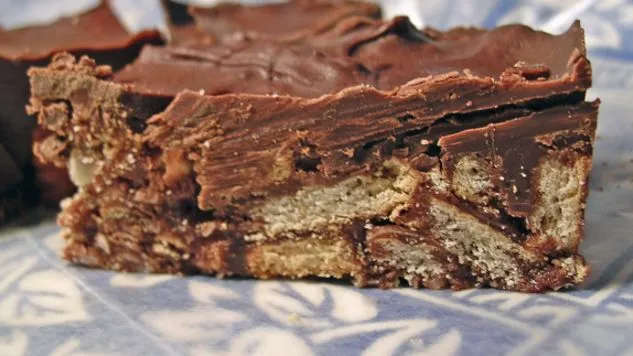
[[50, 308]]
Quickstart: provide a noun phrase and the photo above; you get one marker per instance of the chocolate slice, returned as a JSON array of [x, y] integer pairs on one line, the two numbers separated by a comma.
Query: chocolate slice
[[460, 159]]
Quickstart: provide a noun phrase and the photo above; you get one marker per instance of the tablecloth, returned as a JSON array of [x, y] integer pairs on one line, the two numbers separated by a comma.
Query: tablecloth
[[50, 308]]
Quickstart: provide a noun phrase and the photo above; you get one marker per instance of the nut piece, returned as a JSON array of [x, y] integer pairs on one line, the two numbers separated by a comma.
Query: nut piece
[[177, 167]]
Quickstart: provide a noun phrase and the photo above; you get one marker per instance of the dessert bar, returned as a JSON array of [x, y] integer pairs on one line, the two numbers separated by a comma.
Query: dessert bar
[[96, 33], [370, 151]]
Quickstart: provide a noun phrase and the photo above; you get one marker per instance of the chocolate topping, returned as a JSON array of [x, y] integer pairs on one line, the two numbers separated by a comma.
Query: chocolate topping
[[353, 53]]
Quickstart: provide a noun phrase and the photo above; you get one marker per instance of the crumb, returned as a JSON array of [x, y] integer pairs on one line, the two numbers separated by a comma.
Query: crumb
[[294, 318]]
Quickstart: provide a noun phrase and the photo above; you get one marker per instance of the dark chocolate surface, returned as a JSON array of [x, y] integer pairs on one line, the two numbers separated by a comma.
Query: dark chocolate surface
[[353, 53]]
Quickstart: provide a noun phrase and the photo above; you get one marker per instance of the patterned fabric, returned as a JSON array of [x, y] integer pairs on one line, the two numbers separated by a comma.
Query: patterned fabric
[[50, 308]]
